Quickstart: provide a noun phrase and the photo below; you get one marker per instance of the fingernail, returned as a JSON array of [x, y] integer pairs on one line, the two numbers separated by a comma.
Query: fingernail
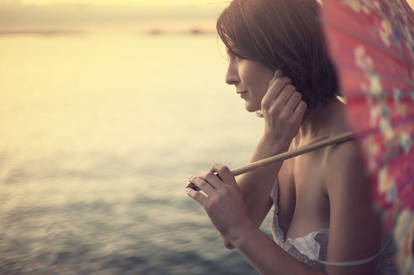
[[193, 186], [278, 73]]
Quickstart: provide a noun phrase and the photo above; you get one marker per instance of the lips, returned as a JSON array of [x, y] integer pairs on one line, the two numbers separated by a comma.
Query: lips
[[243, 94]]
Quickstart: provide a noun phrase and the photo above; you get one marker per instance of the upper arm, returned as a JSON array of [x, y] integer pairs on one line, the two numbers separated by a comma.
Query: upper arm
[[355, 231], [265, 211], [257, 211]]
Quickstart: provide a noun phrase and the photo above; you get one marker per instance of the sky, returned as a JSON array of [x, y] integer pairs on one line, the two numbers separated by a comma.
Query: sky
[[93, 14], [116, 2], [110, 14]]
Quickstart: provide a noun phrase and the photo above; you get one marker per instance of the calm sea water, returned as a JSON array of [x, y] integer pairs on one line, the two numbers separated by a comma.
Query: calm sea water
[[98, 136]]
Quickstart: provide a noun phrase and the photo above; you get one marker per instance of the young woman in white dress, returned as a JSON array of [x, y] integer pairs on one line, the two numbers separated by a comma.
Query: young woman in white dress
[[323, 220]]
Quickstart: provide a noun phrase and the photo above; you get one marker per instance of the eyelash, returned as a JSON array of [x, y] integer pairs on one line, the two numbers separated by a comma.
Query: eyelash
[[234, 57]]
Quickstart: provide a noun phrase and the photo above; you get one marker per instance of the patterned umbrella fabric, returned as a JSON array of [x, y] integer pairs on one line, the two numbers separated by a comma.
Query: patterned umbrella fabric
[[372, 44]]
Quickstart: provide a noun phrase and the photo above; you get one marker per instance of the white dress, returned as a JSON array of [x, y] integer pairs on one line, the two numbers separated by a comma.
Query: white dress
[[312, 248]]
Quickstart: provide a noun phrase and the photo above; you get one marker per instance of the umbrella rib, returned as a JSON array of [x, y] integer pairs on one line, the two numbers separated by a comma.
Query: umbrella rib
[[287, 155]]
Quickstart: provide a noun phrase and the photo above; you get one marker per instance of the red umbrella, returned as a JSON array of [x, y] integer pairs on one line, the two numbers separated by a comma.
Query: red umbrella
[[372, 44]]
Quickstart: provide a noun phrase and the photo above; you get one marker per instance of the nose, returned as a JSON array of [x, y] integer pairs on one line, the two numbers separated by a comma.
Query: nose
[[232, 76]]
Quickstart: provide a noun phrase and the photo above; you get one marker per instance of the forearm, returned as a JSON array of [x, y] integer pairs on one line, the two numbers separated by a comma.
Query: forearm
[[257, 184], [268, 258]]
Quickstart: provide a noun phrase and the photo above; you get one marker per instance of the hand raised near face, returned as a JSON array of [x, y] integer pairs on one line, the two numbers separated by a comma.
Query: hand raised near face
[[282, 109]]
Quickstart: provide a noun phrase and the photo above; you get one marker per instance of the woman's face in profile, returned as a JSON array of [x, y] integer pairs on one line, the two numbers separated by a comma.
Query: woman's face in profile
[[251, 80]]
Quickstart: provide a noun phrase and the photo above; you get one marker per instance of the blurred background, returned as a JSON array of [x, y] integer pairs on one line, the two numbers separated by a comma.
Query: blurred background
[[107, 107]]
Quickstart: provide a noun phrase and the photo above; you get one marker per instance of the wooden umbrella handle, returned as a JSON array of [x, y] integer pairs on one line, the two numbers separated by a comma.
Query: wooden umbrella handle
[[287, 155]]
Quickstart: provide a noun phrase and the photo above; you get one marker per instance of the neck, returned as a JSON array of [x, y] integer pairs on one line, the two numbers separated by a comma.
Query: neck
[[321, 121]]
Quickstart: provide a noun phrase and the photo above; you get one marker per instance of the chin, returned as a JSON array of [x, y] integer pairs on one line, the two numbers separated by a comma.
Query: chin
[[251, 107]]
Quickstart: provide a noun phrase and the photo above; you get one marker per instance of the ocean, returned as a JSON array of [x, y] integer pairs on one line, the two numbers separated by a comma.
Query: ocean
[[99, 134]]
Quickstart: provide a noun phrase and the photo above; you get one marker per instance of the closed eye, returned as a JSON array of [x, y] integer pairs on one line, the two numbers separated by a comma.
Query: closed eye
[[230, 55]]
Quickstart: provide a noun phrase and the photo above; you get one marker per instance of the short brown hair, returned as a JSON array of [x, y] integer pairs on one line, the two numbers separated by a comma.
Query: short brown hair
[[284, 34]]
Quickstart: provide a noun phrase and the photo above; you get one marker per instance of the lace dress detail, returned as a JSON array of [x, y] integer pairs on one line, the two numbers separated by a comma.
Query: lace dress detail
[[312, 249]]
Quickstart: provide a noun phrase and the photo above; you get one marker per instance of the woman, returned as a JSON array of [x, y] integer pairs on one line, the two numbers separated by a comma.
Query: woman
[[323, 218]]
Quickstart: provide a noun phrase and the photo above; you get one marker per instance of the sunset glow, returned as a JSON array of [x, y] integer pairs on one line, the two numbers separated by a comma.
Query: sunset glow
[[123, 3], [136, 2], [105, 15], [89, 15]]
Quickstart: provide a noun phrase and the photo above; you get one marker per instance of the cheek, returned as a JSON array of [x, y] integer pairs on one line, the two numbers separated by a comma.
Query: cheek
[[261, 85], [257, 78], [255, 82]]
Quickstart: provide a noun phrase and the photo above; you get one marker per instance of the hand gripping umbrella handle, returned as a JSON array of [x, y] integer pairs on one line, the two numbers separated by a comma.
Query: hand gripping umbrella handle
[[287, 155]]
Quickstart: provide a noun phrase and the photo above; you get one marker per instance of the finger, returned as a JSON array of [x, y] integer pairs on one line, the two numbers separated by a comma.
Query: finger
[[292, 102], [274, 90], [212, 179], [197, 196], [285, 94], [217, 175], [277, 86], [193, 186], [203, 185], [278, 73], [226, 243], [299, 112], [224, 173]]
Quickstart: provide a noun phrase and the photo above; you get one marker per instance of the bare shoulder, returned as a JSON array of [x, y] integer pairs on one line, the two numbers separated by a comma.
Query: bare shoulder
[[344, 153], [346, 179], [344, 164]]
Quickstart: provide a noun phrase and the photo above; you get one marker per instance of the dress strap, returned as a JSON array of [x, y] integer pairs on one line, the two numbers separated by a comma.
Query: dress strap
[[358, 262]]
